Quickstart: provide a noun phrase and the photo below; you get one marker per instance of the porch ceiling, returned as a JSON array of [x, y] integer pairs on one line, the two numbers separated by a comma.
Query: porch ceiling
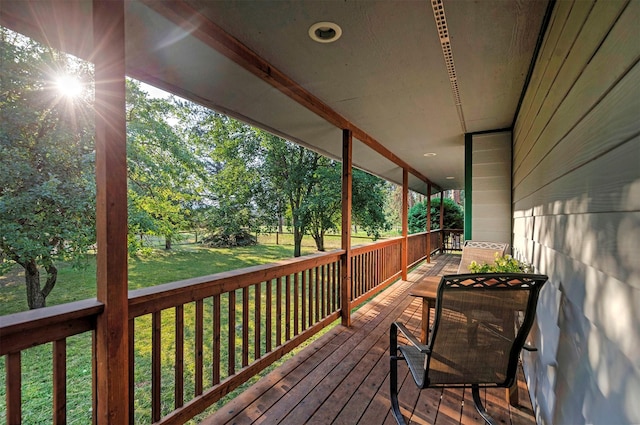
[[386, 75]]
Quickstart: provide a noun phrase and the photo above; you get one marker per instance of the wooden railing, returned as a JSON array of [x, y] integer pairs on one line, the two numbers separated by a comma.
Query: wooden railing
[[253, 317], [417, 248], [194, 341], [453, 240], [21, 331], [374, 267]]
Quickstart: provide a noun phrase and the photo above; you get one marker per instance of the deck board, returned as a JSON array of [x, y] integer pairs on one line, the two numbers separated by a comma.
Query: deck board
[[343, 377]]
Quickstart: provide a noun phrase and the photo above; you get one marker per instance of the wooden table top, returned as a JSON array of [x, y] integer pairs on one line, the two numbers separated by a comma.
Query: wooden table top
[[426, 287]]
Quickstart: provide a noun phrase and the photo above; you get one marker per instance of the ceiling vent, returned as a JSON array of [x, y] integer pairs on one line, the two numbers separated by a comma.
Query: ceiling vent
[[447, 51]]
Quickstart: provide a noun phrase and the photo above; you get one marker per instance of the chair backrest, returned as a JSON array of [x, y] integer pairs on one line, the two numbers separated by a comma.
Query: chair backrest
[[481, 323], [480, 252]]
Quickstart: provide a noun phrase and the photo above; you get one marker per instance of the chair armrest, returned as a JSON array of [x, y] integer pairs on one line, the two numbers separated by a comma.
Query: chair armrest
[[412, 339]]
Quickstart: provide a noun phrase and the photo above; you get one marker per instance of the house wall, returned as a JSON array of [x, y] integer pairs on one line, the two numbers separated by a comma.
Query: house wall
[[576, 213], [491, 180]]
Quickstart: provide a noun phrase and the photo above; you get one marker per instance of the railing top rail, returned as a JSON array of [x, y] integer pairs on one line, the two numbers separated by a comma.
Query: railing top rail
[[413, 235], [159, 297], [47, 324], [361, 249]]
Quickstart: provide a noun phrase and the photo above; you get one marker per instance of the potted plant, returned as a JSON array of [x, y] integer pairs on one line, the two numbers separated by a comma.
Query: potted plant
[[502, 264]]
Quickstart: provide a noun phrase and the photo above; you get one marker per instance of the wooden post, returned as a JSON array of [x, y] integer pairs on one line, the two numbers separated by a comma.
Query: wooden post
[[442, 222], [428, 224], [112, 341], [405, 222], [347, 177]]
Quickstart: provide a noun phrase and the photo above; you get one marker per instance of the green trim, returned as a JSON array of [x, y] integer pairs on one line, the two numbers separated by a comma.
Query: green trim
[[499, 130], [468, 187]]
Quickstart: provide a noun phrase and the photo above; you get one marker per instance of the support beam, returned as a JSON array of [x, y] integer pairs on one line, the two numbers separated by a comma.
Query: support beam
[[442, 222], [347, 181], [405, 222], [198, 25], [428, 223], [468, 186], [111, 342]]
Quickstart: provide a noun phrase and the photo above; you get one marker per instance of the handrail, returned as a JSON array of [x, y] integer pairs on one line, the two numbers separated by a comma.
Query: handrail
[[362, 249], [27, 329], [159, 297]]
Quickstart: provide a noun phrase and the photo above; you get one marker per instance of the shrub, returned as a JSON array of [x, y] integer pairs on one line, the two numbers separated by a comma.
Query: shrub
[[453, 215], [502, 264]]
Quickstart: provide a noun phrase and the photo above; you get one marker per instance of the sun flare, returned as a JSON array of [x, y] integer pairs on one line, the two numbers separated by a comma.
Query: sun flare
[[69, 86]]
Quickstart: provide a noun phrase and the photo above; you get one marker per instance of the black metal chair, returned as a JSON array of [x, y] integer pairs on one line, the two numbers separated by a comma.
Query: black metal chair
[[481, 323]]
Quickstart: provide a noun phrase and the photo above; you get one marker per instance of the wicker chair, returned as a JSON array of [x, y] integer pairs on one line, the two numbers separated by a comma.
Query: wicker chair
[[481, 323]]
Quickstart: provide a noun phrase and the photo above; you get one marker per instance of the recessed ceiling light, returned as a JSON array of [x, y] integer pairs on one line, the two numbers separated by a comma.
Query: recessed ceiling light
[[325, 32], [430, 154], [449, 177]]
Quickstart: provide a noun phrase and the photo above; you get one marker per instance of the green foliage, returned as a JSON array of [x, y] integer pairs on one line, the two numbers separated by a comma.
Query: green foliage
[[368, 203], [46, 150], [322, 207], [502, 264], [166, 172], [290, 174], [453, 216]]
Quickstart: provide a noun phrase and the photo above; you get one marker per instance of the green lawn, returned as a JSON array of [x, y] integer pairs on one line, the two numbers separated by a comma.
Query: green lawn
[[184, 261]]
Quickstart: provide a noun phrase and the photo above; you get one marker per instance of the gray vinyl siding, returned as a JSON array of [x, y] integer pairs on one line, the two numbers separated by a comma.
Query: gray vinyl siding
[[491, 195], [576, 213]]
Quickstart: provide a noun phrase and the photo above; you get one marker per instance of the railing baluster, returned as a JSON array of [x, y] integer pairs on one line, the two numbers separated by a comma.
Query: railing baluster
[[232, 334], [287, 310], [179, 354], [245, 326], [279, 311], [316, 280], [310, 297], [199, 346], [323, 298], [257, 337], [132, 383], [156, 370], [303, 299], [296, 303], [334, 285], [60, 381], [14, 388], [217, 317], [268, 311]]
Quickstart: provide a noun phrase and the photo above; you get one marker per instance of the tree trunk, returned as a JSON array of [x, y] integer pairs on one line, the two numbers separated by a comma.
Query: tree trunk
[[35, 297], [167, 243], [319, 239], [297, 241], [280, 223]]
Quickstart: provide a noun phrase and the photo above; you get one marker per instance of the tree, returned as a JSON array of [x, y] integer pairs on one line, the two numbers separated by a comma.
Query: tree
[[368, 204], [322, 208], [291, 171], [166, 172], [47, 207], [234, 186], [453, 215]]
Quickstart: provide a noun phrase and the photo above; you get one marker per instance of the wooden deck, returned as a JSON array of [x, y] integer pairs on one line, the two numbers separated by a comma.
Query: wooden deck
[[343, 377]]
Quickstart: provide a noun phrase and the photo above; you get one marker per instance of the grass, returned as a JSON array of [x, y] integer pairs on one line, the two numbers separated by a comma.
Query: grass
[[186, 260]]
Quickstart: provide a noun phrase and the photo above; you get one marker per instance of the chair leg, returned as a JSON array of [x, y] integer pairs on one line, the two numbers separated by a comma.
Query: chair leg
[[393, 390], [475, 390], [393, 374]]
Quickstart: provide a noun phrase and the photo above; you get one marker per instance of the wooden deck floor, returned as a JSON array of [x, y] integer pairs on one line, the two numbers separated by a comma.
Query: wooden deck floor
[[343, 377]]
